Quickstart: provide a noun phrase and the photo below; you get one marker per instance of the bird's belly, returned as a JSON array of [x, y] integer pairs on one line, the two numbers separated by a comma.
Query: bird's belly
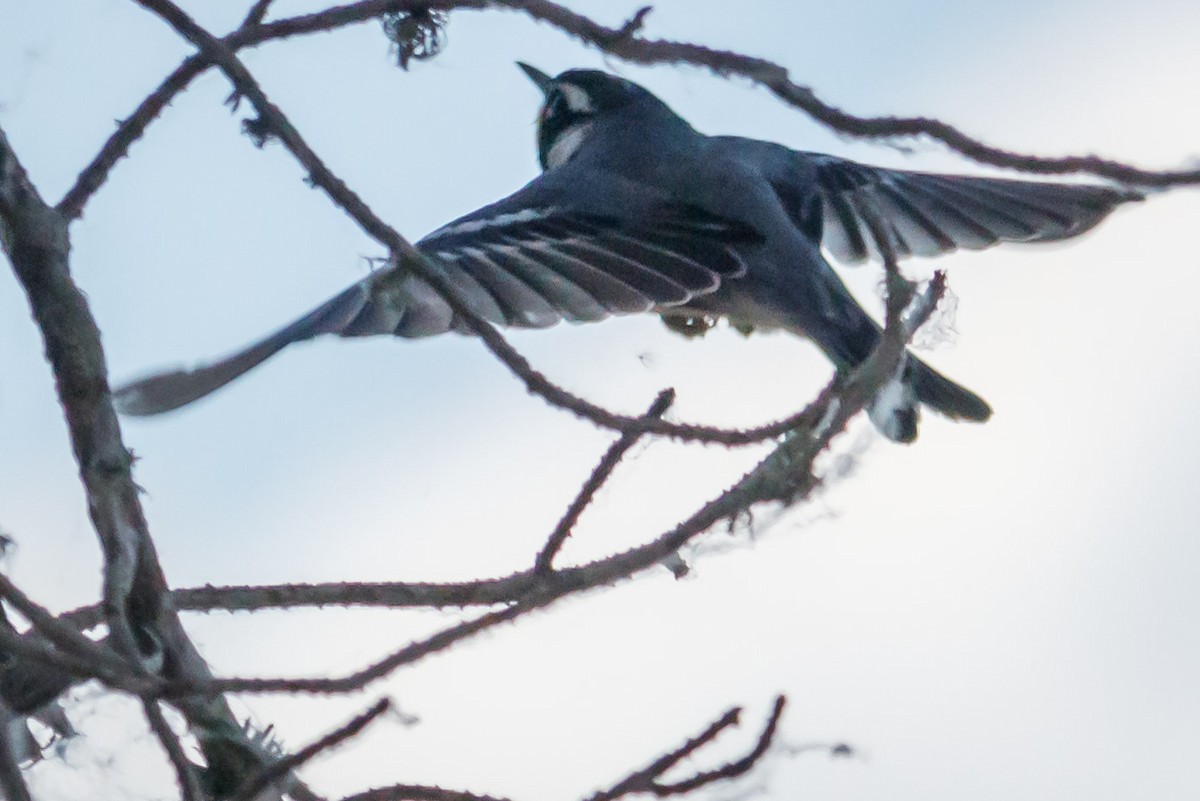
[[739, 309]]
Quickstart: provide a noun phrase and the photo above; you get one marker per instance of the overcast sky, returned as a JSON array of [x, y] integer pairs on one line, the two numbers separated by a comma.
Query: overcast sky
[[997, 612]]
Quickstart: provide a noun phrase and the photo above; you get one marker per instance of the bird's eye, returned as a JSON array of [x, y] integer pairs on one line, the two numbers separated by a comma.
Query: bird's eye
[[555, 104]]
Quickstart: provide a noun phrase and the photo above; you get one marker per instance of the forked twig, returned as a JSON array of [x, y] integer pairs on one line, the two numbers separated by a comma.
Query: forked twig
[[650, 778], [595, 481], [276, 771]]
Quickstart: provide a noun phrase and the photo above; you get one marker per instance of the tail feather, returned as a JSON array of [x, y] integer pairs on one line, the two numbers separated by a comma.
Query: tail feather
[[943, 395], [896, 410], [164, 391]]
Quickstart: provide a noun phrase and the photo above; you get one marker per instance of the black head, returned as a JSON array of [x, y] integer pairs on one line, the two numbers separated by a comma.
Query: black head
[[573, 100]]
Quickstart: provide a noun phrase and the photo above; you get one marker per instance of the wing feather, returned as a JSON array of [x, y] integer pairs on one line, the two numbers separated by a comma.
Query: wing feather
[[930, 213]]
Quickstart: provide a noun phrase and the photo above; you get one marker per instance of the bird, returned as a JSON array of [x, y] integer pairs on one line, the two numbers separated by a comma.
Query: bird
[[635, 211]]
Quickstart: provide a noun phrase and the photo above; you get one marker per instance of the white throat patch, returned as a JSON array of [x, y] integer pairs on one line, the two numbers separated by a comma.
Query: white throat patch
[[566, 144]]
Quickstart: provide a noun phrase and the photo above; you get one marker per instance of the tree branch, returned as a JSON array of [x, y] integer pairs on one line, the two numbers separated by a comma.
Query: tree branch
[[785, 475], [64, 636], [35, 239], [619, 42], [185, 774], [649, 778], [777, 79], [12, 783], [729, 770], [599, 476], [361, 678], [418, 792], [257, 13], [278, 770], [138, 613]]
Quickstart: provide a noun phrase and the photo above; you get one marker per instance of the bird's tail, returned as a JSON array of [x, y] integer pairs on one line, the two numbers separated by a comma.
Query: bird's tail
[[164, 391], [896, 409]]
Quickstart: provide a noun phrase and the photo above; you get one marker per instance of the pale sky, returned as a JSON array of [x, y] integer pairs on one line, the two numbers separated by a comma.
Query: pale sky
[[997, 612]]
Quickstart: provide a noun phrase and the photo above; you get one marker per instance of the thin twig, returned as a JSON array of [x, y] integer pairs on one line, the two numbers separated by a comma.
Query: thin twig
[[137, 587], [419, 792], [594, 482], [257, 13], [641, 781], [63, 635], [129, 130], [777, 79], [784, 475], [633, 24], [616, 42], [361, 678], [729, 770], [272, 773], [648, 779], [46, 671], [185, 774]]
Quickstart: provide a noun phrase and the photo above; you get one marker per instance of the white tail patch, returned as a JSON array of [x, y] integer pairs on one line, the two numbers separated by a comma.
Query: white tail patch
[[894, 407]]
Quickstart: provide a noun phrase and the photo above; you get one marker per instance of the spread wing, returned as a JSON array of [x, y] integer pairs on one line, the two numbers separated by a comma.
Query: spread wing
[[535, 266], [930, 214], [515, 263]]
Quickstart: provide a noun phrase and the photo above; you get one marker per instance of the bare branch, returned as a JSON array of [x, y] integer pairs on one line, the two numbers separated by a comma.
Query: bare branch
[[649, 778], [137, 606], [646, 780], [622, 43], [784, 475], [140, 620], [35, 239], [642, 781], [12, 783], [35, 673], [596, 480], [128, 131], [279, 770], [361, 678], [730, 770], [185, 773], [777, 79], [417, 792], [63, 635], [409, 259], [633, 24], [257, 13], [538, 384], [134, 126]]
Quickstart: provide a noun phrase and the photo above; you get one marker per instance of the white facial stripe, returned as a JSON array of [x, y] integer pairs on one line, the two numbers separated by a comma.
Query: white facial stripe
[[566, 144], [577, 99]]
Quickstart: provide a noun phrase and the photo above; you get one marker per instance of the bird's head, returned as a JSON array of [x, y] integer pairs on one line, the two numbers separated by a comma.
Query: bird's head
[[572, 102]]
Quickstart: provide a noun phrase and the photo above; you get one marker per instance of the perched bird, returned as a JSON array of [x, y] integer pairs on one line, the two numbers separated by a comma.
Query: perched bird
[[636, 211]]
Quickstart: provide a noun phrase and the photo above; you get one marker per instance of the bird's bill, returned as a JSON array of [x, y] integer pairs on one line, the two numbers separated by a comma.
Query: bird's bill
[[540, 79]]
